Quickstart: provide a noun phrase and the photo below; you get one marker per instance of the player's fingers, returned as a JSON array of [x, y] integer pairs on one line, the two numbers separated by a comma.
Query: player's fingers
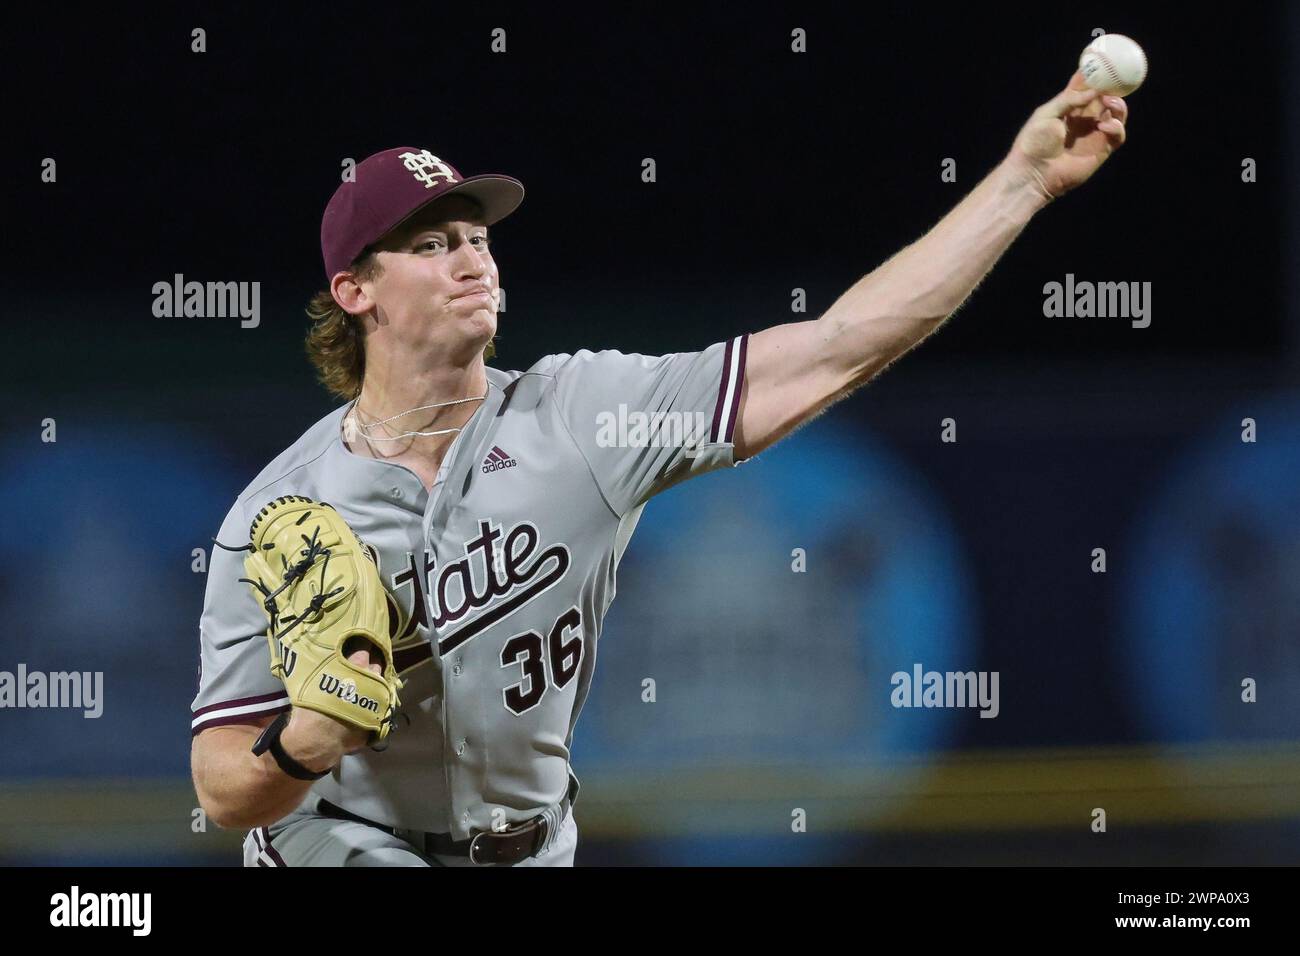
[[1116, 106], [1114, 130], [358, 651], [1077, 82], [1069, 99]]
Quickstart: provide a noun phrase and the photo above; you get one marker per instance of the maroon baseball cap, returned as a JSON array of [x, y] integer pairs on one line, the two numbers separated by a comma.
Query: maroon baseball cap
[[391, 187]]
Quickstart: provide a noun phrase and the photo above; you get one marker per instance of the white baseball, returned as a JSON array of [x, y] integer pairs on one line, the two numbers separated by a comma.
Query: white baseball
[[1113, 63]]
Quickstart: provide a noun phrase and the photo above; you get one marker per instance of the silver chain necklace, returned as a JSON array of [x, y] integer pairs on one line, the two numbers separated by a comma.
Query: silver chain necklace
[[354, 421]]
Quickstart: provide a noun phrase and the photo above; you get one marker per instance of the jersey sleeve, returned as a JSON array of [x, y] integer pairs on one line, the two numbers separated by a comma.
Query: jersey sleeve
[[645, 423], [235, 681]]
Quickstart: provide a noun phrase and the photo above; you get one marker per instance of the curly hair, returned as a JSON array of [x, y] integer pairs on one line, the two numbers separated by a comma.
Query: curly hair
[[336, 343]]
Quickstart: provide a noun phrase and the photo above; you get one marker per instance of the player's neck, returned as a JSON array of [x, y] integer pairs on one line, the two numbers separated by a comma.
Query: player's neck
[[384, 394], [401, 397]]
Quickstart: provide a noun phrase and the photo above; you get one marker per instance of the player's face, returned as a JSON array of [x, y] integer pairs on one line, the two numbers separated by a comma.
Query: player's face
[[435, 270]]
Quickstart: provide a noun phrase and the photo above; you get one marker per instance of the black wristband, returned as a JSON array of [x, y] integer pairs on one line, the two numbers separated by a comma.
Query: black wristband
[[270, 740]]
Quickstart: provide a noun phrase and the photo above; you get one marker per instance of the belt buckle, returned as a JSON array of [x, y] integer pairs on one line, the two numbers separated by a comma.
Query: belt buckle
[[474, 845]]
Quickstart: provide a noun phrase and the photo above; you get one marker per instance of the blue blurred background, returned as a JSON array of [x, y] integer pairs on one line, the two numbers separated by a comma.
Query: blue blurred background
[[776, 171]]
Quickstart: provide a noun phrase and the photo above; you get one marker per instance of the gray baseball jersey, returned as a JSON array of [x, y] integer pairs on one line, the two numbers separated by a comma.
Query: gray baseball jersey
[[505, 570]]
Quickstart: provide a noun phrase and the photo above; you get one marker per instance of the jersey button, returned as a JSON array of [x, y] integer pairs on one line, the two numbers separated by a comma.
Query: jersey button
[[396, 493], [460, 748], [456, 669]]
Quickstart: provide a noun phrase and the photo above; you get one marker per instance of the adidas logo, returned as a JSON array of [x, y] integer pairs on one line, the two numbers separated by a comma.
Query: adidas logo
[[497, 459]]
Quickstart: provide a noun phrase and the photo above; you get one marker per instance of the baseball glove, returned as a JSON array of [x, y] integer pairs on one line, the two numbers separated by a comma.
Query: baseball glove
[[320, 588]]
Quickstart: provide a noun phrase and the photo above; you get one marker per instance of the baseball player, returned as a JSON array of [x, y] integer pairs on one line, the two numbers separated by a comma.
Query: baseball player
[[430, 563]]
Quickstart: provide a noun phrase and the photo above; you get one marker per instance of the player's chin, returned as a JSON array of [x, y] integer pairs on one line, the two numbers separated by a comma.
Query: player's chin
[[481, 321]]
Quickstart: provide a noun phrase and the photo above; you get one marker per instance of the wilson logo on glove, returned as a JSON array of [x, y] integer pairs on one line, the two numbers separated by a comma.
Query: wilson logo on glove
[[346, 691]]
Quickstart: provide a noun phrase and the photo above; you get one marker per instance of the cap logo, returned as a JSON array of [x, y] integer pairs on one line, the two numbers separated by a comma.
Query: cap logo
[[428, 168]]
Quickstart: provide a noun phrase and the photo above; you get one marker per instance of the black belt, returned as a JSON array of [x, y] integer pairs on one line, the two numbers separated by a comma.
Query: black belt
[[511, 845]]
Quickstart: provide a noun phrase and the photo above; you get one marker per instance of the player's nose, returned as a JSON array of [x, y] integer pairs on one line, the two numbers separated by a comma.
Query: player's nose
[[471, 263]]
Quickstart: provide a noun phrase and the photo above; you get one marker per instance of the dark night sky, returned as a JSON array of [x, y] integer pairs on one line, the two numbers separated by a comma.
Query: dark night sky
[[775, 170]]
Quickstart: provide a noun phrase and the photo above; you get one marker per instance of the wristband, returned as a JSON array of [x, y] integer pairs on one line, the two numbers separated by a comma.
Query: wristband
[[270, 740]]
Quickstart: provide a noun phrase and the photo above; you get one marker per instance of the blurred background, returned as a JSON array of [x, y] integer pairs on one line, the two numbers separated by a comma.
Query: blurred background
[[775, 171]]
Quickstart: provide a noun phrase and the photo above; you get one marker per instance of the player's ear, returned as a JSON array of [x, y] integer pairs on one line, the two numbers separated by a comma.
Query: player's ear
[[350, 295]]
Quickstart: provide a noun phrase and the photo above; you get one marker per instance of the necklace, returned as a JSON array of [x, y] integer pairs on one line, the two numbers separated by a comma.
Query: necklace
[[353, 422]]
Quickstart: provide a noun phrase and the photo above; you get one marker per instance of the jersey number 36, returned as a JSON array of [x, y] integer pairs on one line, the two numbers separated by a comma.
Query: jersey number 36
[[560, 652]]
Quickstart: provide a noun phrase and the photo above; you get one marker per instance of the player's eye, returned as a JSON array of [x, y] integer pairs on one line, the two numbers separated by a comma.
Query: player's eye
[[484, 241]]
